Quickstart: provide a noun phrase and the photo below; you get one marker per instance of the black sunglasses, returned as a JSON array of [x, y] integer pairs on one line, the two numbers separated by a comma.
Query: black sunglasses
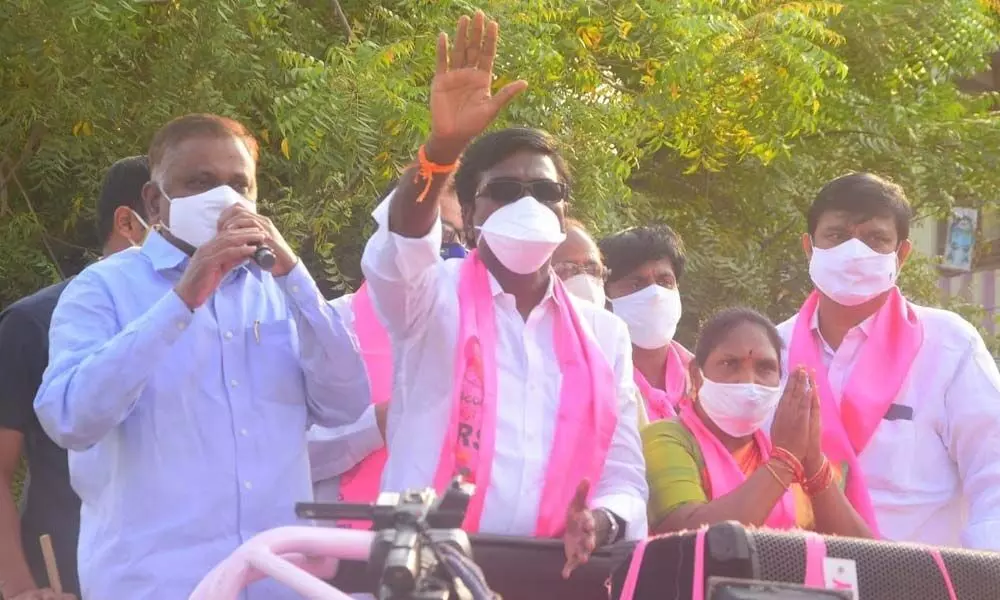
[[506, 191]]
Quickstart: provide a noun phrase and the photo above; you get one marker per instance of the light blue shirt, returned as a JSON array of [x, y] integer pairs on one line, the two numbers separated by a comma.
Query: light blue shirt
[[334, 451], [187, 430]]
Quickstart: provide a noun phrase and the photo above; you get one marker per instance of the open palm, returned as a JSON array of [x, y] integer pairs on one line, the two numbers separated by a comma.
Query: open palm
[[462, 105]]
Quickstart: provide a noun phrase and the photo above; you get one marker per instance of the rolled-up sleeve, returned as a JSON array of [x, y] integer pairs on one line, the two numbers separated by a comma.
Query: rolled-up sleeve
[[94, 379], [622, 488], [972, 404], [336, 381], [402, 274]]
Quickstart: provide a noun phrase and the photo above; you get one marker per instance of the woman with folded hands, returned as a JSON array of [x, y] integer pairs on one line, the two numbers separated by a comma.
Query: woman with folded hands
[[715, 462]]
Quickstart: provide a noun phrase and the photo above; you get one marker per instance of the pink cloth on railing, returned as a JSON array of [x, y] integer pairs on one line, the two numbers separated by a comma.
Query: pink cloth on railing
[[635, 566], [815, 560]]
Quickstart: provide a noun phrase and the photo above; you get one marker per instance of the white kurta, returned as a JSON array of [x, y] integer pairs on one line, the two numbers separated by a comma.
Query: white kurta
[[416, 296]]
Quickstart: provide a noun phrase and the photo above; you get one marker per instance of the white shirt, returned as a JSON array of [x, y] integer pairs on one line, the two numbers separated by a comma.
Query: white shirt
[[416, 296], [335, 450], [936, 478]]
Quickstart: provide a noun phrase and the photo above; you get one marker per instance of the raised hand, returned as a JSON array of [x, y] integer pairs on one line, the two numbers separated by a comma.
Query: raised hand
[[462, 104], [791, 427]]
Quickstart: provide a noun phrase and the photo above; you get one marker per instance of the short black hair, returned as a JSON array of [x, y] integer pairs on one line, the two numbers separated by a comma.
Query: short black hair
[[627, 250], [493, 148], [864, 196], [718, 326], [199, 125], [122, 187]]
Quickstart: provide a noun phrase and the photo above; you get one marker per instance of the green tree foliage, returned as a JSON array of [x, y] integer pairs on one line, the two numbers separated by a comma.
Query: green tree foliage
[[721, 117]]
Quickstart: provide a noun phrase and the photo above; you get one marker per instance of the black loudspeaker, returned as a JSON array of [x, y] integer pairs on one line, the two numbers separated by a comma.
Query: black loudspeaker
[[886, 571]]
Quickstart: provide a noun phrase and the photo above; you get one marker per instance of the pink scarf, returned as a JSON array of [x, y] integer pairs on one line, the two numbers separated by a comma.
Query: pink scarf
[[362, 482], [724, 475], [585, 422], [662, 404], [879, 373]]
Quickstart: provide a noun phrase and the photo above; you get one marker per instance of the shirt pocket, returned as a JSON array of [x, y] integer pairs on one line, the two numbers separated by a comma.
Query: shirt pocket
[[891, 456], [273, 358]]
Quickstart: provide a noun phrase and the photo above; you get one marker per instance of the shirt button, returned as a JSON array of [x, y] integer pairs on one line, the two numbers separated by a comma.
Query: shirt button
[[228, 335], [244, 432], [181, 325], [233, 383], [248, 485], [295, 289]]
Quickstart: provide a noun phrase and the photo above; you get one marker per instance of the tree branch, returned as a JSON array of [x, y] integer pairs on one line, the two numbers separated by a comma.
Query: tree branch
[[343, 19], [45, 240], [9, 166]]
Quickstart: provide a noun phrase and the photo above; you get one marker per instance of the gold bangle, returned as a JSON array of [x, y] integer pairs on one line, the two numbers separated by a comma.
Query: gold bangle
[[777, 478]]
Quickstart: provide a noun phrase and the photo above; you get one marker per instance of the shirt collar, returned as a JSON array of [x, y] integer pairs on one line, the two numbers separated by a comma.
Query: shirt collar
[[865, 326], [164, 256], [161, 253], [498, 292]]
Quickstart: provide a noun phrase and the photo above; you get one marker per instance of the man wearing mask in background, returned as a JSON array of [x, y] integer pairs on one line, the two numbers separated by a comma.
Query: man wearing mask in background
[[183, 376], [527, 394], [910, 395], [347, 461], [51, 507], [645, 265], [577, 261]]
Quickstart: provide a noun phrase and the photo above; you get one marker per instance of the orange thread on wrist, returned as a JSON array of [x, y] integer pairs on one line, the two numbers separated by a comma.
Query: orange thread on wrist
[[426, 170]]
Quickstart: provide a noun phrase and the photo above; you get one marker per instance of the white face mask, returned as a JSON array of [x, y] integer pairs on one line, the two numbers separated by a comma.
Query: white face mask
[[523, 235], [195, 219], [651, 314], [739, 409], [586, 287], [852, 273]]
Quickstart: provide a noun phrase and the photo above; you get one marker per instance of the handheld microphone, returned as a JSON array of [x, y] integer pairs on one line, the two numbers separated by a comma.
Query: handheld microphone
[[264, 257]]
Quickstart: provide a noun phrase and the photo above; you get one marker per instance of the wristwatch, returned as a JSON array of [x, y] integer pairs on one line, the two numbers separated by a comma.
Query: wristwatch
[[614, 529]]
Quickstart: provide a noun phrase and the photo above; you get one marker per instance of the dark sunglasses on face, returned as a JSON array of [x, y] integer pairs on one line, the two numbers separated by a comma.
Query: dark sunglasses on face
[[506, 191]]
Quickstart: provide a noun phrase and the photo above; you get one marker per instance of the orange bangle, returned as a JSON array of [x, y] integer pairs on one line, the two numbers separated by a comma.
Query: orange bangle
[[788, 459], [426, 170], [820, 481]]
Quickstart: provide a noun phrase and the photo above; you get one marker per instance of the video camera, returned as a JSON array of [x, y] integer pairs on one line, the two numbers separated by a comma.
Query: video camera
[[420, 551]]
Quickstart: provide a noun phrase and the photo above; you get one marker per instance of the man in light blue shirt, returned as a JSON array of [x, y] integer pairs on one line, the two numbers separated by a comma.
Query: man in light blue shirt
[[183, 377]]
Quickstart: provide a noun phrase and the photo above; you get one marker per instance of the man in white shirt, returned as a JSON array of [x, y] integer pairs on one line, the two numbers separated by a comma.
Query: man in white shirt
[[346, 461], [912, 392], [512, 186]]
